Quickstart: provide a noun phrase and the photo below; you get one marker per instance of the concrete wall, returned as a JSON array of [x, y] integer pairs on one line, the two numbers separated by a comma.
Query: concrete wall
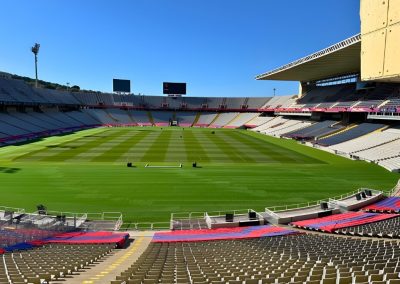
[[380, 40]]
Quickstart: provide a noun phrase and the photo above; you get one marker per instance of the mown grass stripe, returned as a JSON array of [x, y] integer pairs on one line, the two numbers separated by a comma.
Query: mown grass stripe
[[47, 143], [284, 154], [272, 153], [157, 151], [122, 148], [220, 143], [194, 149], [237, 146], [214, 151], [251, 152], [176, 148], [71, 154]]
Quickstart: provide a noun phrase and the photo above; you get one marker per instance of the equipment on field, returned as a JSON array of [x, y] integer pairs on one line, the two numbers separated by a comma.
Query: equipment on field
[[61, 218], [324, 205], [42, 210], [228, 217], [252, 215], [129, 165], [194, 165]]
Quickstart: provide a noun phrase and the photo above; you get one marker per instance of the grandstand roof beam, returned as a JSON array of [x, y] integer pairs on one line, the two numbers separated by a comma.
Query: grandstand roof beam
[[338, 59]]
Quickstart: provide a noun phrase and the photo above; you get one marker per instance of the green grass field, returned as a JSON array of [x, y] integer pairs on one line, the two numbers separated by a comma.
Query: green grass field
[[86, 172]]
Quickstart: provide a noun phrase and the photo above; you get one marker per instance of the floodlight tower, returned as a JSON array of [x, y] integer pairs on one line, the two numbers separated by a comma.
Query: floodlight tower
[[35, 50]]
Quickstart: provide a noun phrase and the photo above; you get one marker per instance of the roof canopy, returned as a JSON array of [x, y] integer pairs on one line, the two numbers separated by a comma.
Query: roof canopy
[[339, 59]]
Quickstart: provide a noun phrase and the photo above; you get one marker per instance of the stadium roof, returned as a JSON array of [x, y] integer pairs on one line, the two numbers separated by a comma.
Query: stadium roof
[[339, 59]]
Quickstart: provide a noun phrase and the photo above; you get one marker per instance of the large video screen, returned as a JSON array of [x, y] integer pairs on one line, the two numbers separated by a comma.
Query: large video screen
[[123, 86], [170, 88]]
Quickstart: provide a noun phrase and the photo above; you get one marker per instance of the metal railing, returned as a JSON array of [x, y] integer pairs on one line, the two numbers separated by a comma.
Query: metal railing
[[395, 190], [222, 213], [13, 209], [187, 215], [155, 226], [316, 203]]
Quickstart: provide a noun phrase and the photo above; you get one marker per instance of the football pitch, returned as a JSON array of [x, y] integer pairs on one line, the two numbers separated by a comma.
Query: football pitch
[[86, 172]]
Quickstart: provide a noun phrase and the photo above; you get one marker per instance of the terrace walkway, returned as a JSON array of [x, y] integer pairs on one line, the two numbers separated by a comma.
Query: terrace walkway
[[113, 265]]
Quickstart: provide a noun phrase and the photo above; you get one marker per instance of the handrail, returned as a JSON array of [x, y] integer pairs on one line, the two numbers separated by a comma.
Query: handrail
[[193, 215], [119, 223], [95, 216], [315, 203], [145, 226], [235, 212], [394, 190], [14, 209], [187, 215], [80, 220]]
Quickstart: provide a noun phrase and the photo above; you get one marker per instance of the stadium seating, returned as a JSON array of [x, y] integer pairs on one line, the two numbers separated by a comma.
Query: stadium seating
[[101, 115], [205, 119], [185, 119], [221, 234], [390, 204], [345, 105], [194, 102], [235, 103], [140, 117], [393, 102], [369, 104], [162, 118], [300, 258], [256, 103], [385, 229], [370, 141], [391, 164], [352, 133], [316, 130], [257, 121], [339, 221], [384, 151], [274, 122], [277, 102], [328, 94], [88, 99], [120, 116], [49, 262], [241, 119], [223, 119], [82, 118], [286, 127]]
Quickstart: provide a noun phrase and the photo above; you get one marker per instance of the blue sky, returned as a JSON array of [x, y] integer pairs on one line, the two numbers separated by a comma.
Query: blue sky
[[216, 46]]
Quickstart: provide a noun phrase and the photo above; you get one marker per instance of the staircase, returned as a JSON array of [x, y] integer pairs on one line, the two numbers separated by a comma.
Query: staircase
[[112, 117], [196, 119], [131, 118], [215, 118], [338, 132], [232, 120], [150, 116]]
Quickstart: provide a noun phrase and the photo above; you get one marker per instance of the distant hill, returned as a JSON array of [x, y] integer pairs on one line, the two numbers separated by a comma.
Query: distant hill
[[45, 84]]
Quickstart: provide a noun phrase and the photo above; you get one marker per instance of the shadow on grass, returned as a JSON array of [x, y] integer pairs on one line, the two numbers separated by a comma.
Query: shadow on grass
[[6, 170], [61, 146], [22, 143]]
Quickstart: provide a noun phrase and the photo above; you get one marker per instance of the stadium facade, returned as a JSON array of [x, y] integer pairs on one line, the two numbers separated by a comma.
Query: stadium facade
[[349, 104]]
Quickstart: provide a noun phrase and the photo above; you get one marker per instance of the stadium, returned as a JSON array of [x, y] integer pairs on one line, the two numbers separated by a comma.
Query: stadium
[[122, 188]]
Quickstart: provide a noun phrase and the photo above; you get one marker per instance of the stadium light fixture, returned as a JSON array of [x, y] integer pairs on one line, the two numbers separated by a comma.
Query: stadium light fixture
[[35, 50], [274, 89]]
